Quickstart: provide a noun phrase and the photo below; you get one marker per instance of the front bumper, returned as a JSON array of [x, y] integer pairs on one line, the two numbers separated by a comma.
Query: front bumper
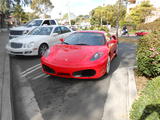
[[94, 70], [22, 51]]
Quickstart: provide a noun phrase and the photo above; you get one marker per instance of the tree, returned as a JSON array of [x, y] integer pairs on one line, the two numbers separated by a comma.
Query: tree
[[138, 14], [41, 7], [107, 14]]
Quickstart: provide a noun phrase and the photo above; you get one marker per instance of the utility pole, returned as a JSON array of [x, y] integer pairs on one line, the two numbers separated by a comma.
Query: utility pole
[[118, 16], [102, 12], [69, 17]]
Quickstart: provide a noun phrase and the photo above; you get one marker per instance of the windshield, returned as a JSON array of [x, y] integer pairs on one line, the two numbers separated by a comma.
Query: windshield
[[34, 23], [86, 38], [41, 31]]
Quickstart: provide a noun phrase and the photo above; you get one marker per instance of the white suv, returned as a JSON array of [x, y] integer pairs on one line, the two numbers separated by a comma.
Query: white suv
[[21, 30]]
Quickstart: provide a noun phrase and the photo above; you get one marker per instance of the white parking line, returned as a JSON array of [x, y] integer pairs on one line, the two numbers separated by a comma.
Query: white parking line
[[39, 76], [32, 70], [33, 67]]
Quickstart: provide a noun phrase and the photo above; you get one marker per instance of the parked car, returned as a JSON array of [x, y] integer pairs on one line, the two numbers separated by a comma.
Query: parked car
[[141, 33], [24, 29], [82, 55], [38, 40]]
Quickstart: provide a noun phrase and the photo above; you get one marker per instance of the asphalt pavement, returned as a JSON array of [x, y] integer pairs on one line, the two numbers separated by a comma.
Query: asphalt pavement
[[72, 99]]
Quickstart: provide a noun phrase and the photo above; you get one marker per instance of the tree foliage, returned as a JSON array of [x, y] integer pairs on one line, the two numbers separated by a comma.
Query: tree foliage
[[107, 14], [140, 12], [41, 7]]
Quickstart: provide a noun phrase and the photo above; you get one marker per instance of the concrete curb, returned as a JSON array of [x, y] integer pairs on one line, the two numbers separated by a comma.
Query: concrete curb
[[6, 108], [132, 90]]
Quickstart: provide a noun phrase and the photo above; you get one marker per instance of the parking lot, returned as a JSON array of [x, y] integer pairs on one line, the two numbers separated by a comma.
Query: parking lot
[[61, 98]]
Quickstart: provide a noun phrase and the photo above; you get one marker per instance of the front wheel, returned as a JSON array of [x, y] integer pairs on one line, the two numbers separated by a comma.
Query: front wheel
[[42, 49], [108, 65]]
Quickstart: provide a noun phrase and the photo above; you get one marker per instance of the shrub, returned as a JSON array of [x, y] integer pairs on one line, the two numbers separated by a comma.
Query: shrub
[[148, 55], [147, 106]]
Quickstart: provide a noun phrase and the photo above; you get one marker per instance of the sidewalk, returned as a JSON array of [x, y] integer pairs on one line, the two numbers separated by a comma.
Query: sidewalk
[[5, 90], [117, 106]]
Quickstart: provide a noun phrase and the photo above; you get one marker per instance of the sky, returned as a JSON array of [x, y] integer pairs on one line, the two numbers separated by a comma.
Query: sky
[[78, 7]]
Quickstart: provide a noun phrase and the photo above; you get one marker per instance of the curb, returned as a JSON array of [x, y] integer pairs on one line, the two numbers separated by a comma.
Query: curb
[[6, 108], [132, 90]]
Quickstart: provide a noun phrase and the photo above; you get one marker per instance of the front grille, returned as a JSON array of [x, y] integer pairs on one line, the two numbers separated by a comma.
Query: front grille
[[13, 32], [16, 45], [66, 74]]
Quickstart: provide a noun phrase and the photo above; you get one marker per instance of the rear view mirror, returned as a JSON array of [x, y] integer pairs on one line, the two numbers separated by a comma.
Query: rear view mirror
[[62, 40]]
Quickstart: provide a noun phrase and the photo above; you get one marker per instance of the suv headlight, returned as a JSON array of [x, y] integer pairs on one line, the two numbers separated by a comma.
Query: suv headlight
[[25, 31], [29, 45], [96, 56]]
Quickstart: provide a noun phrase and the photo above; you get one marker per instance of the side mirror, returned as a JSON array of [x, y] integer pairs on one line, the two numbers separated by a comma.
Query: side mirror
[[54, 34], [113, 37], [62, 40]]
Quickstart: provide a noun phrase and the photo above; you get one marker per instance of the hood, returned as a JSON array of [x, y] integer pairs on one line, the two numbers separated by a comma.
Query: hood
[[73, 54], [22, 28], [29, 38]]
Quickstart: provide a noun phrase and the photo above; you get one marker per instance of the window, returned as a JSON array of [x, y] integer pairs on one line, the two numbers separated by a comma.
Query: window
[[46, 22], [65, 29], [57, 30], [52, 22]]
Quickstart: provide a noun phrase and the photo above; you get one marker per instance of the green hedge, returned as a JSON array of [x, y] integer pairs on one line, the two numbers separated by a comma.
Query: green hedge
[[148, 55], [147, 106]]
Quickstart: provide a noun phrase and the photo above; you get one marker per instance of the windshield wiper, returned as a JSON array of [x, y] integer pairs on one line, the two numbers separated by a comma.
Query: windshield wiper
[[81, 44], [66, 43]]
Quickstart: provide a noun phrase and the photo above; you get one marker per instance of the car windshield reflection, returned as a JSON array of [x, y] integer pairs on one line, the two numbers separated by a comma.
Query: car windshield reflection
[[85, 38], [41, 31]]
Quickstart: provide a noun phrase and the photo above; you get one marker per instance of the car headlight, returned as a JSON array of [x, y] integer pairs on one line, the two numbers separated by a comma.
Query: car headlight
[[29, 45], [46, 54], [25, 31], [96, 56]]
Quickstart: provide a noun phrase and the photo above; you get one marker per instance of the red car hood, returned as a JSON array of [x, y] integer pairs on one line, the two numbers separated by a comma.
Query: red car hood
[[73, 54]]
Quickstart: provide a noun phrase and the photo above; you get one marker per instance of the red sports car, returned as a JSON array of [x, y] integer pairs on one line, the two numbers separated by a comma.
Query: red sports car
[[141, 33], [82, 55]]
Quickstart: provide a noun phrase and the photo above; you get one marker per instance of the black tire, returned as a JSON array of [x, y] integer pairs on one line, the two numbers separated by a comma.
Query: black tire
[[42, 48]]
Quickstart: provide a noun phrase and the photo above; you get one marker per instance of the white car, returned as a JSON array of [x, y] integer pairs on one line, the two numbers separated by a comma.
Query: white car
[[24, 29], [37, 41]]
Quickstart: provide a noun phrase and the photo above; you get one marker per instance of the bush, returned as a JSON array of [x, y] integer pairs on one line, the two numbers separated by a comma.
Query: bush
[[148, 55], [147, 106]]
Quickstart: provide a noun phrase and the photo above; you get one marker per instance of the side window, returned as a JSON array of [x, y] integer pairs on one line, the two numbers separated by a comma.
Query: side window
[[65, 29], [46, 22], [57, 30], [52, 22]]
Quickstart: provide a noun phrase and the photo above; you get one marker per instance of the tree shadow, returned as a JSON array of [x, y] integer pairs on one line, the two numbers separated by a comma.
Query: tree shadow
[[149, 109]]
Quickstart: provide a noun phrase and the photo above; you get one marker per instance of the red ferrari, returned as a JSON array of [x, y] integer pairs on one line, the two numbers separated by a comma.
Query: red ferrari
[[82, 55], [141, 33]]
